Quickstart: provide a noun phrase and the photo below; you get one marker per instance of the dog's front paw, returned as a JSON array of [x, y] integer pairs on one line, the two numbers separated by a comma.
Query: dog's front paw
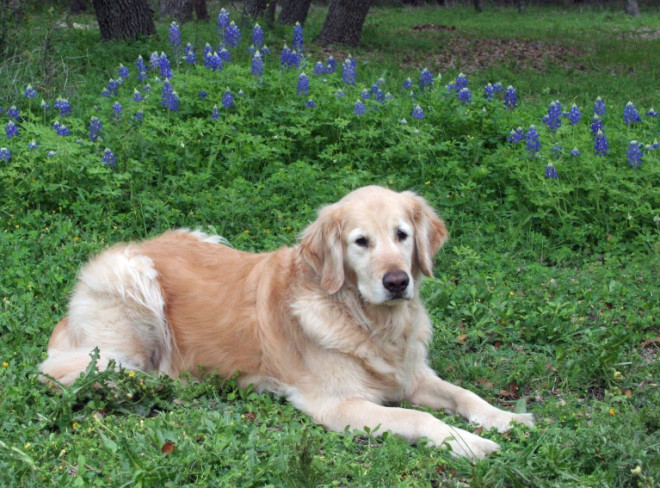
[[470, 445], [503, 420]]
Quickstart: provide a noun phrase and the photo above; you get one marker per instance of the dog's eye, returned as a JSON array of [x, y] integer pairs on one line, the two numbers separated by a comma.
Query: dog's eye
[[401, 235], [362, 242]]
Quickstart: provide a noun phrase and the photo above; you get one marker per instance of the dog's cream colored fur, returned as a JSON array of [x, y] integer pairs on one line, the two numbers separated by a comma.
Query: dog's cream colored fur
[[335, 324]]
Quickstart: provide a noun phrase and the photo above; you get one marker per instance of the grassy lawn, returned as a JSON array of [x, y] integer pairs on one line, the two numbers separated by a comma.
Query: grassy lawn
[[545, 298]]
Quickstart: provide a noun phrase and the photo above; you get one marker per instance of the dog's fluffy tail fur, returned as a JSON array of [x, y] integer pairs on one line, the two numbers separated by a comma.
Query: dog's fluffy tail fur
[[117, 307]]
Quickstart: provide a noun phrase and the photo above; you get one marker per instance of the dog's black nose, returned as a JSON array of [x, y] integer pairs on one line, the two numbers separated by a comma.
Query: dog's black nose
[[396, 281]]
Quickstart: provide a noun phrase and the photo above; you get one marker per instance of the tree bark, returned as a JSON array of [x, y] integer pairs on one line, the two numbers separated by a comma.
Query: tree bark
[[179, 10], [199, 6], [632, 8], [343, 24], [478, 5], [124, 19], [294, 11], [521, 6], [78, 6]]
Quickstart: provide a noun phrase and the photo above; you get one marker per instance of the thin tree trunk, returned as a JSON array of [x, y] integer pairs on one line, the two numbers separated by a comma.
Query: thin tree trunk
[[343, 24], [124, 19], [478, 5], [294, 11], [199, 6], [179, 10], [632, 8]]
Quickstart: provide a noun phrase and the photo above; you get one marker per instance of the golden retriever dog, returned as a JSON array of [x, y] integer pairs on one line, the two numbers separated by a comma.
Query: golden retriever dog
[[334, 324]]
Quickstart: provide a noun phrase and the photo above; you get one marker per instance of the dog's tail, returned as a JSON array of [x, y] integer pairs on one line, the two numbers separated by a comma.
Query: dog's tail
[[117, 307]]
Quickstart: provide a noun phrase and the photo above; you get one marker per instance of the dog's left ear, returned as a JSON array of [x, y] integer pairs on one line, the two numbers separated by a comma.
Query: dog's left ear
[[322, 249], [430, 232]]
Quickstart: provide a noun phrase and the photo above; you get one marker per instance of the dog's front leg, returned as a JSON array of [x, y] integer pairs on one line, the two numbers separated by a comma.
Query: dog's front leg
[[442, 395], [412, 425]]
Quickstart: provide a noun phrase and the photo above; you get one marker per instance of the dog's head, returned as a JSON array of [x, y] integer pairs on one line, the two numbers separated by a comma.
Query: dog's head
[[379, 240]]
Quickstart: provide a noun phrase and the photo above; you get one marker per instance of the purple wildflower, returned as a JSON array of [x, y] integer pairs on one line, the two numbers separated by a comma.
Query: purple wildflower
[[574, 115], [203, 94], [62, 104], [319, 68], [225, 55], [13, 113], [596, 125], [95, 126], [298, 38], [223, 22], [417, 112], [5, 155], [310, 104], [139, 64], [164, 66], [169, 98], [232, 34], [630, 114], [517, 135], [601, 146], [634, 154], [190, 54], [553, 119], [465, 96], [302, 88], [599, 107], [348, 73], [29, 92], [137, 96], [257, 37], [489, 92], [425, 80], [33, 145], [11, 129], [109, 158], [358, 108], [575, 152], [154, 61], [139, 115], [117, 110], [461, 82], [365, 94], [330, 65], [510, 97], [215, 113], [550, 171], [257, 65], [227, 99], [123, 71], [408, 84], [533, 140], [175, 39]]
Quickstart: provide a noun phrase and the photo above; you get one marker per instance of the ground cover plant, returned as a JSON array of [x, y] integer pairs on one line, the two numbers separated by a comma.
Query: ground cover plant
[[545, 298]]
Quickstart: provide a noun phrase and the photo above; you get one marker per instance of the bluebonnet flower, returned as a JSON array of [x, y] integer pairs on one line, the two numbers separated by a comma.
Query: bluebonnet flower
[[164, 66], [461, 82], [257, 65], [117, 110], [11, 129], [113, 87], [408, 84], [139, 64], [310, 103], [139, 115], [574, 115], [137, 96], [203, 94], [553, 119], [388, 96], [213, 62], [175, 39], [215, 113], [425, 79], [497, 86], [533, 140], [652, 113], [599, 107], [169, 98], [556, 150], [517, 135], [154, 61], [365, 94], [29, 92], [630, 114], [634, 154], [224, 55], [223, 22], [147, 88], [240, 93], [227, 99], [464, 95], [510, 97], [123, 71], [289, 58], [417, 112], [298, 38], [601, 146], [109, 158], [489, 92], [596, 125], [302, 88], [257, 37], [33, 145], [62, 104], [575, 152], [5, 155], [340, 93], [190, 54], [550, 171], [208, 50], [106, 93], [348, 73], [95, 126], [13, 113], [330, 65], [319, 68], [654, 146], [358, 108], [379, 96], [50, 154], [61, 129], [232, 34]]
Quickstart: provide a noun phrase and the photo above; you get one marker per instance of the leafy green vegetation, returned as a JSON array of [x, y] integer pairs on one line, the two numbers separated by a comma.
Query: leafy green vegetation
[[546, 296]]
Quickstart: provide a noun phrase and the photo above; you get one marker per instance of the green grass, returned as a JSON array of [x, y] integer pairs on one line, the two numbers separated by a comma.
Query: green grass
[[545, 298]]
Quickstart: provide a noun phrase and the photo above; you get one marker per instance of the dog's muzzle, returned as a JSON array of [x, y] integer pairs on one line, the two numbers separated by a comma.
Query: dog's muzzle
[[396, 283]]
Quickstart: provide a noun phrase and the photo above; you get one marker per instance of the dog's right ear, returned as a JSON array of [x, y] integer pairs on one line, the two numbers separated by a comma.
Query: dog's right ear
[[322, 249]]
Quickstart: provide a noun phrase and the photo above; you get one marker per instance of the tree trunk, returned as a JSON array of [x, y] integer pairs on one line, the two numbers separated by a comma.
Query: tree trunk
[[343, 24], [521, 6], [199, 6], [124, 19], [478, 5], [253, 9], [179, 10], [294, 11], [78, 6], [632, 8]]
